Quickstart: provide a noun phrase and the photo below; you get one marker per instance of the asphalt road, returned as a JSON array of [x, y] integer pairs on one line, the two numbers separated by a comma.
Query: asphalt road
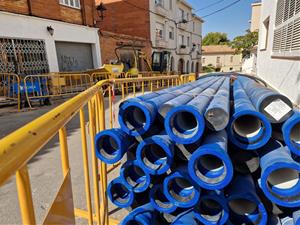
[[45, 169]]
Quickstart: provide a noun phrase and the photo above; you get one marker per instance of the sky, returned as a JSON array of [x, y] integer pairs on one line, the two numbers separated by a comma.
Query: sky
[[234, 21]]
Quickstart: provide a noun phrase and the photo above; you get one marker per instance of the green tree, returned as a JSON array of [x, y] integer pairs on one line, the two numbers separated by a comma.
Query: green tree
[[215, 38], [245, 44]]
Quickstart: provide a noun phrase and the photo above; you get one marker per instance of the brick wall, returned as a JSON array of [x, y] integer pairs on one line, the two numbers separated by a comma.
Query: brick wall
[[51, 9], [109, 41], [123, 18], [16, 6]]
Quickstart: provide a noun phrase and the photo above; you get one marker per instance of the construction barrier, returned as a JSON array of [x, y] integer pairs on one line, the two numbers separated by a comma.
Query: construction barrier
[[10, 89], [18, 148], [54, 85]]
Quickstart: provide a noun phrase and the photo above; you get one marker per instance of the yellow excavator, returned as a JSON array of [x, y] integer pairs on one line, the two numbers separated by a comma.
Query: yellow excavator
[[130, 61]]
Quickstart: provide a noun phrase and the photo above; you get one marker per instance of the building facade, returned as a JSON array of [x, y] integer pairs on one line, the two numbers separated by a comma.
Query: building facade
[[39, 37], [222, 58], [250, 62], [171, 28], [279, 46], [255, 16]]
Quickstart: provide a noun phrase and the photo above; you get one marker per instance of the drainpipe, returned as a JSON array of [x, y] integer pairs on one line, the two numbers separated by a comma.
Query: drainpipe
[[29, 7], [83, 15]]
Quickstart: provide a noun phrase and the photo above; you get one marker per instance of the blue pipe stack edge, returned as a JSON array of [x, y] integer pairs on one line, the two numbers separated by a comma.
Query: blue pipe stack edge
[[224, 149]]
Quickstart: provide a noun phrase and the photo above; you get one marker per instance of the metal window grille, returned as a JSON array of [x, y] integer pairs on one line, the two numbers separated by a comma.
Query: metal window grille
[[21, 56]]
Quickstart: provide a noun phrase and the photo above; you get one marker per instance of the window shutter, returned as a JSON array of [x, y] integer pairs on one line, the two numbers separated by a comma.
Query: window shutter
[[279, 12], [289, 36], [292, 8], [297, 6], [277, 40], [286, 10], [296, 36]]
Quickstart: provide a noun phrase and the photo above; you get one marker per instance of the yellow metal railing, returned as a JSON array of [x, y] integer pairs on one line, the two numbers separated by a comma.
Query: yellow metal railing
[[10, 88], [54, 85], [18, 148]]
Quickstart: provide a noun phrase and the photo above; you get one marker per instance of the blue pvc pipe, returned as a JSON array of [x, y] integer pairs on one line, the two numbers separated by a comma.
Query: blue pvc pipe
[[143, 215], [291, 133], [180, 189], [245, 206], [155, 154], [287, 221], [111, 145], [210, 166], [296, 217], [138, 114], [186, 218], [218, 111], [186, 97], [248, 129], [134, 177], [185, 124], [119, 194], [262, 97], [159, 201], [212, 209], [279, 175]]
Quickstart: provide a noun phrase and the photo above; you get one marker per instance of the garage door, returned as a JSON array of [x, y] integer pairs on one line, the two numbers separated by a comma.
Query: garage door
[[74, 56]]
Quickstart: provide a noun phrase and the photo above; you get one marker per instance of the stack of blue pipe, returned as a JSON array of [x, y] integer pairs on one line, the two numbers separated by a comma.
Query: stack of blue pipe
[[224, 149]]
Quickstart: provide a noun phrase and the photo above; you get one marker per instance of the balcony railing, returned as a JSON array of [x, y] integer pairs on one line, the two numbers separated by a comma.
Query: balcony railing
[[159, 8], [160, 43]]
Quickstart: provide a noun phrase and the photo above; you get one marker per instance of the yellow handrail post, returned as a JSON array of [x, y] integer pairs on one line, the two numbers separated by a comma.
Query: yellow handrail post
[[64, 150], [103, 166], [110, 107], [123, 90], [25, 197], [94, 161], [86, 167], [143, 87]]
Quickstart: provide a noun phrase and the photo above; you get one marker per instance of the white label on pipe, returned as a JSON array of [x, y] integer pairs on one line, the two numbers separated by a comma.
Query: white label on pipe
[[278, 109]]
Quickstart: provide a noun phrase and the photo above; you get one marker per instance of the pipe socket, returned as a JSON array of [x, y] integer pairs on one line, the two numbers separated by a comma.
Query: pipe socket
[[119, 194], [156, 154], [291, 133], [210, 166], [159, 201], [111, 145], [134, 177], [179, 189]]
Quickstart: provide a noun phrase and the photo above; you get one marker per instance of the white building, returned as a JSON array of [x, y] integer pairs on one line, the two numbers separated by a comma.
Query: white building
[[31, 44], [278, 60], [176, 31]]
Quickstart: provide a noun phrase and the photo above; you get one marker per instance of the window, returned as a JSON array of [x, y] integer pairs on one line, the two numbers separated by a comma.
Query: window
[[159, 2], [70, 3], [188, 41], [265, 34], [181, 11], [231, 59], [286, 42], [160, 30], [171, 33], [218, 60], [203, 60], [170, 4], [181, 39], [193, 26]]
